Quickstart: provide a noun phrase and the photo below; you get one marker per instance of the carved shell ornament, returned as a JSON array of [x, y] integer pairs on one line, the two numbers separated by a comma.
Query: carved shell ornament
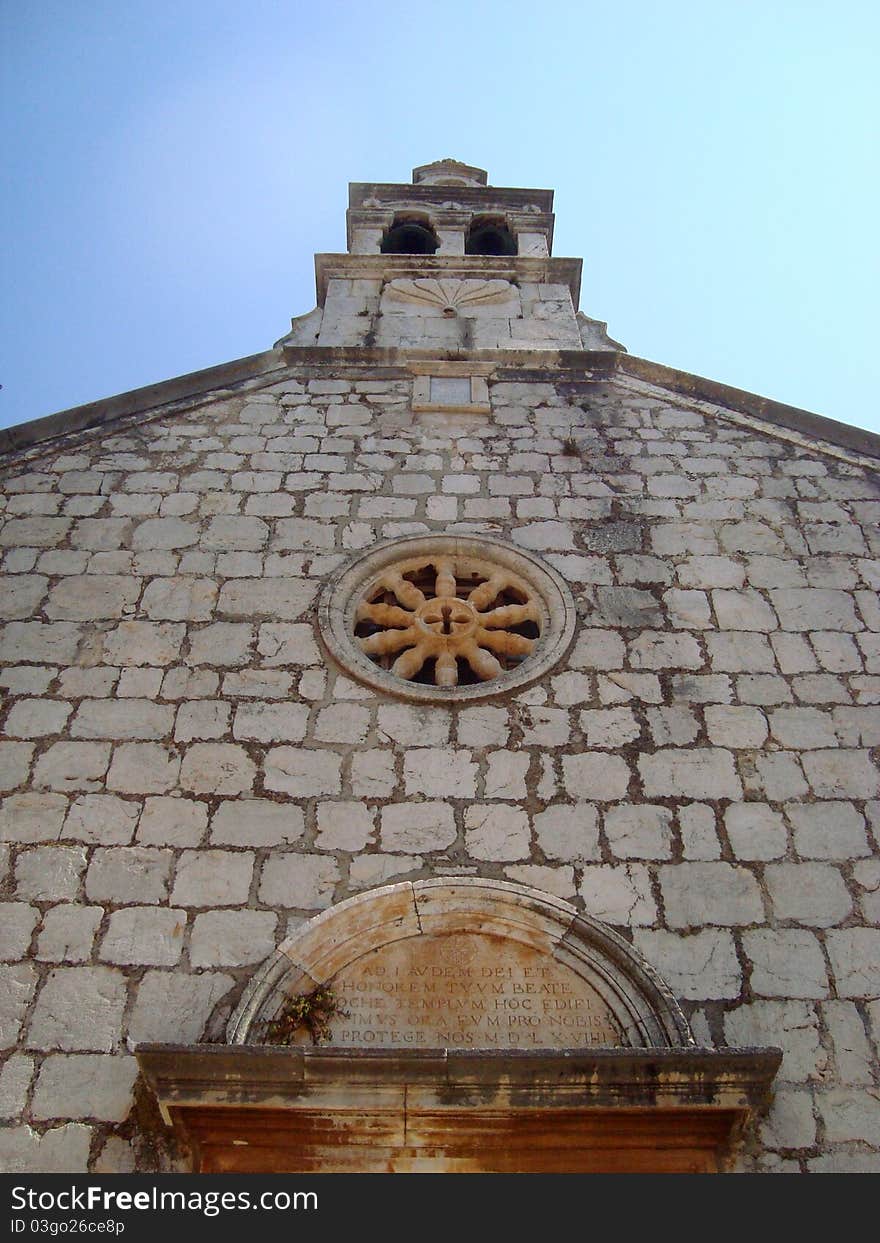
[[451, 296]]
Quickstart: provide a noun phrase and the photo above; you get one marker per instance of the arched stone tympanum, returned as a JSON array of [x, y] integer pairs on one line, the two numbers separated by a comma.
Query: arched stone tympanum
[[487, 1027], [466, 963]]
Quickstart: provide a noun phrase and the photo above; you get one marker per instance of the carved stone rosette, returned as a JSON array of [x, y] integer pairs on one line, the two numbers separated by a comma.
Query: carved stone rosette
[[446, 617]]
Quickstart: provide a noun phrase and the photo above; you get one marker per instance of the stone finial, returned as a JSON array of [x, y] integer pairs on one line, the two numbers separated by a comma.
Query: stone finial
[[449, 172]]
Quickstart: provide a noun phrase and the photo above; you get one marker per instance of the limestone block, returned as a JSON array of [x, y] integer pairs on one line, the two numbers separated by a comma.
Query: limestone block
[[496, 832], [85, 1085], [151, 936], [655, 649], [342, 723], [793, 1025], [786, 963], [841, 774], [264, 684], [706, 572], [743, 610], [213, 878], [17, 923], [122, 874], [73, 766], [283, 643], [200, 719], [808, 893], [373, 773], [506, 774], [221, 643], [68, 933], [700, 967], [696, 826], [778, 777], [301, 882], [165, 533], [675, 726], [133, 718], [271, 722], [232, 938], [180, 599], [49, 873], [740, 651], [790, 1123], [619, 895], [814, 609], [60, 1150], [91, 596], [701, 773], [17, 983], [417, 827], [855, 961], [277, 598], [611, 727], [144, 643], [34, 532], [639, 832], [755, 831], [568, 832], [404, 722], [142, 768], [217, 768], [32, 817], [850, 1114], [174, 1007], [737, 727], [544, 727], [598, 776], [79, 1008], [697, 894], [15, 1079], [101, 818], [344, 826], [440, 773], [301, 772], [852, 1049], [21, 594]]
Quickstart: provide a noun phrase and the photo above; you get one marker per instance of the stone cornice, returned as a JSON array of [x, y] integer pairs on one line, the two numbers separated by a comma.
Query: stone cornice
[[156, 399], [475, 198], [543, 271]]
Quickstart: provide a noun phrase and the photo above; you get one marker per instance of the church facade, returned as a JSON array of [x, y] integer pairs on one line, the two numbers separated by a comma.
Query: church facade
[[487, 712]]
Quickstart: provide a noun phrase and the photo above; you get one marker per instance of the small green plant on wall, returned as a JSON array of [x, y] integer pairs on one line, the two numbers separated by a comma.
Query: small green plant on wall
[[311, 1012]]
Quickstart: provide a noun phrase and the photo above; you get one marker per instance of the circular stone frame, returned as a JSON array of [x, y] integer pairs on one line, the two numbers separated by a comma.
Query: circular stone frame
[[341, 595]]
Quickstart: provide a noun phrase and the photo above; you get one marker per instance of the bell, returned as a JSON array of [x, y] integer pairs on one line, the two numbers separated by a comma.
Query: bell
[[409, 238]]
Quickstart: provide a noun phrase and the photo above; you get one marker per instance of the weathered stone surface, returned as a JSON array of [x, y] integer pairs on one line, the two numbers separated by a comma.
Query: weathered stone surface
[[641, 832], [699, 967], [217, 768], [303, 882], [79, 1008], [786, 963], [85, 1085], [808, 893], [256, 822], [213, 878], [855, 961], [32, 817], [794, 1025], [697, 894], [68, 933], [301, 772], [417, 827], [232, 938], [569, 832], [173, 1007], [120, 874], [49, 873], [700, 773], [59, 1150], [144, 935]]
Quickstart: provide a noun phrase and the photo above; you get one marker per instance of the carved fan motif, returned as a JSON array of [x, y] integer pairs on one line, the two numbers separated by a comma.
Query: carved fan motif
[[445, 620], [450, 295]]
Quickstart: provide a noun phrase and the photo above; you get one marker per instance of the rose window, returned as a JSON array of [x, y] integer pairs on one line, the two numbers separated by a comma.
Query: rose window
[[447, 620], [440, 617]]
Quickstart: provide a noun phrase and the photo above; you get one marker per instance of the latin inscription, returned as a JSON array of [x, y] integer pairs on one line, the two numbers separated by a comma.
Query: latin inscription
[[468, 991]]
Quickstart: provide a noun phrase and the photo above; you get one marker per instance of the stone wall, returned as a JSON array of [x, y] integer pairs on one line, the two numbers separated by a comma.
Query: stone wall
[[185, 778]]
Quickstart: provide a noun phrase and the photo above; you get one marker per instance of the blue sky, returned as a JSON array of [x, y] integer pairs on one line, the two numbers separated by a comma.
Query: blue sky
[[171, 168]]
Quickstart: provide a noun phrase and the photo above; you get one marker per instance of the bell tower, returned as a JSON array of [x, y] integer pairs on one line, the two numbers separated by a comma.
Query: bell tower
[[447, 266]]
